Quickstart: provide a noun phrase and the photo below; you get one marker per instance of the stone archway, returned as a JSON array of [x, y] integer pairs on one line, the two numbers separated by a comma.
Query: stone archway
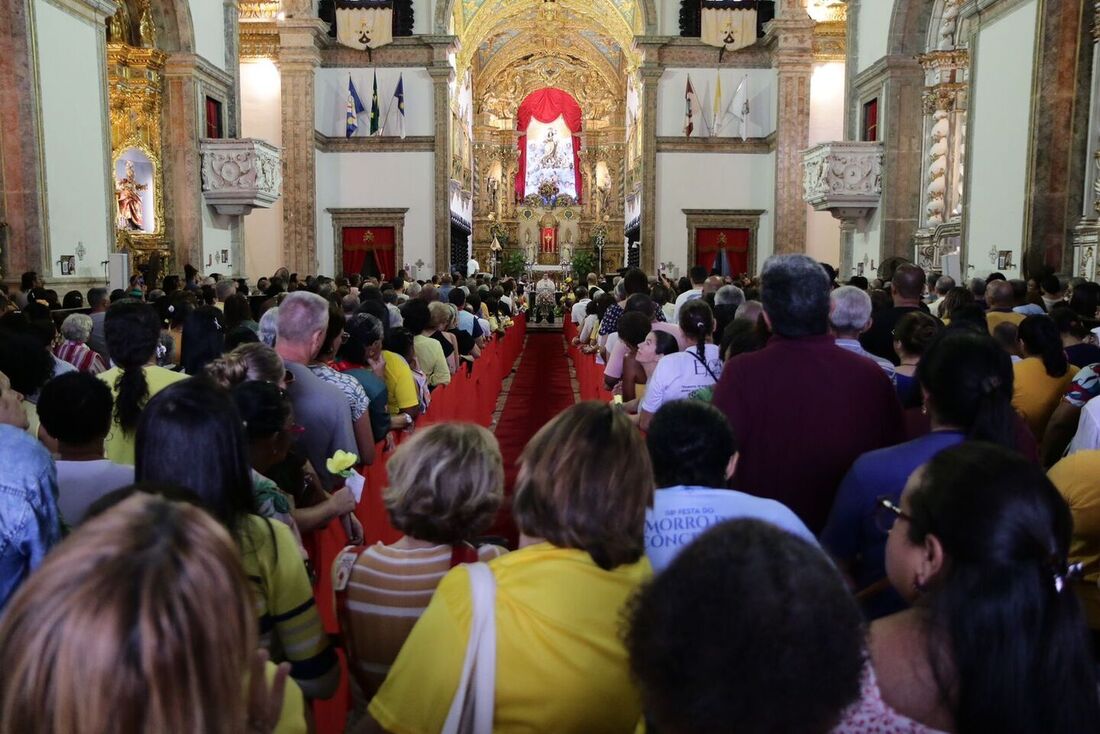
[[444, 9]]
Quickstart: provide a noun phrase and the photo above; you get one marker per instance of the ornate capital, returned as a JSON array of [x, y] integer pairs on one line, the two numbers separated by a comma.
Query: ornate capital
[[239, 175], [843, 178], [943, 97]]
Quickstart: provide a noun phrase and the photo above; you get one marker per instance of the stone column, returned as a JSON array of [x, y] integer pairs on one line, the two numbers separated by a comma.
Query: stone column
[[651, 73], [182, 175], [442, 74], [298, 60], [793, 59]]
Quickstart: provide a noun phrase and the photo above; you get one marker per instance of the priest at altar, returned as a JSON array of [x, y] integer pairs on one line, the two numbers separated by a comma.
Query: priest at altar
[[546, 298]]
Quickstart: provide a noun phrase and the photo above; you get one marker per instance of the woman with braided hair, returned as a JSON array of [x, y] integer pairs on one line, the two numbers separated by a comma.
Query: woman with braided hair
[[697, 367]]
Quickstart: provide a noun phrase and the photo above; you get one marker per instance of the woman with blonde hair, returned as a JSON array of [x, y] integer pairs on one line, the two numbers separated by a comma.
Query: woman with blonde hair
[[140, 622], [248, 362], [584, 484], [442, 315], [446, 484]]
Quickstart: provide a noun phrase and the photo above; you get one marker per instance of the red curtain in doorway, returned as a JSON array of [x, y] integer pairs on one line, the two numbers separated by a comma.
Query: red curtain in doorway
[[724, 250], [377, 243], [546, 105]]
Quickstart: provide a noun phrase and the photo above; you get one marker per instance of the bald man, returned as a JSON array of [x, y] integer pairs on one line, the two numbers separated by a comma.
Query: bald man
[[907, 287], [1001, 299]]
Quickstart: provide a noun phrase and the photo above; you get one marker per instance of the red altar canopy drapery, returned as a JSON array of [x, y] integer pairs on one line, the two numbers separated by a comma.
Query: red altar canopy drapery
[[547, 105], [359, 243], [724, 250]]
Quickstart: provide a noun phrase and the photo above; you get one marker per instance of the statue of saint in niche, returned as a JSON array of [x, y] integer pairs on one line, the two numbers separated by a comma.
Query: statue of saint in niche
[[128, 192]]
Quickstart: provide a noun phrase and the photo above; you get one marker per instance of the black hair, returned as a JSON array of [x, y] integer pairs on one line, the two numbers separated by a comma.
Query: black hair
[[457, 297], [604, 302], [370, 293], [1068, 321], [119, 295], [27, 364], [416, 315], [237, 309], [1085, 300], [75, 408], [916, 330], [399, 340], [1050, 284], [740, 336], [666, 343], [191, 434], [634, 326], [969, 378], [334, 328], [363, 330], [696, 274], [690, 443], [994, 276], [263, 407], [635, 281], [73, 299], [794, 291], [203, 339], [643, 304], [591, 308], [96, 296], [697, 322], [859, 282], [26, 281], [1008, 648], [132, 330], [750, 629], [1041, 339], [240, 335], [969, 314], [660, 294]]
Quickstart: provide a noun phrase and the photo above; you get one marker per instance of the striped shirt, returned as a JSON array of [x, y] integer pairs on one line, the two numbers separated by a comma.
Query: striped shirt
[[80, 356], [388, 590]]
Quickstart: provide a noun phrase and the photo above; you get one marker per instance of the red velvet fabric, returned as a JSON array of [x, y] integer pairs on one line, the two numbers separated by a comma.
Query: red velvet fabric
[[359, 243], [546, 105], [710, 242]]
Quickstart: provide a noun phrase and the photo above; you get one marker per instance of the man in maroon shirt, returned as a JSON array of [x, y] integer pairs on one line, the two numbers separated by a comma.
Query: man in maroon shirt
[[802, 408]]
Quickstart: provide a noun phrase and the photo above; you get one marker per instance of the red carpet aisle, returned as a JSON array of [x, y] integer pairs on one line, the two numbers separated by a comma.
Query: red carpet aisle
[[540, 390]]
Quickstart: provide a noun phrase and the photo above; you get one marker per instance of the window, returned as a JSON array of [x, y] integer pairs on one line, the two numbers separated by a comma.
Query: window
[[870, 121], [213, 118]]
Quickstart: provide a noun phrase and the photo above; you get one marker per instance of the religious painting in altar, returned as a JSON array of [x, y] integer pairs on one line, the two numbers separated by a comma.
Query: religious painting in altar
[[723, 251], [369, 251], [549, 123]]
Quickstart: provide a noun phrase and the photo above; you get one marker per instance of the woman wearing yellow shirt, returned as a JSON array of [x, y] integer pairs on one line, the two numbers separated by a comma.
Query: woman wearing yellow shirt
[[584, 484], [429, 354], [141, 621], [1041, 378]]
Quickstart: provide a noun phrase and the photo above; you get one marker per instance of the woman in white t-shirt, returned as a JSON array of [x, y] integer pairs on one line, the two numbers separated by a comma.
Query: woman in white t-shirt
[[679, 375]]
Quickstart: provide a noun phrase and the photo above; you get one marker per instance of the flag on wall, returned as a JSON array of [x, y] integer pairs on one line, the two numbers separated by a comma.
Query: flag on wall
[[739, 107], [364, 24], [719, 110], [689, 99], [354, 107], [399, 95], [728, 24], [375, 111]]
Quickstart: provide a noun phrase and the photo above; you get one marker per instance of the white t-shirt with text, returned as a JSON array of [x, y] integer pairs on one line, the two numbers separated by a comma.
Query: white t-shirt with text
[[678, 375]]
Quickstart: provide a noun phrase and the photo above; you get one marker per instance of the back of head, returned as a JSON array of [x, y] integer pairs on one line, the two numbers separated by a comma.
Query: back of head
[[953, 300], [969, 381], [190, 434], [96, 297], [254, 361], [859, 282], [75, 408], [237, 310], [999, 294], [584, 482], [1019, 291], [416, 315], [634, 327], [698, 275], [364, 330], [1040, 337], [77, 327], [1051, 285], [1084, 301], [1008, 641], [969, 314], [944, 284], [132, 331], [269, 326], [139, 622], [795, 293], [446, 484], [977, 287], [729, 295], [203, 338], [301, 315], [73, 299], [457, 297], [915, 331], [908, 282], [690, 444], [643, 304], [750, 629], [850, 310], [697, 321], [263, 408]]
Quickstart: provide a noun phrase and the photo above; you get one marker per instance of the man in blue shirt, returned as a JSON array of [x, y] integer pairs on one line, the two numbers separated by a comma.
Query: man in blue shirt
[[693, 453]]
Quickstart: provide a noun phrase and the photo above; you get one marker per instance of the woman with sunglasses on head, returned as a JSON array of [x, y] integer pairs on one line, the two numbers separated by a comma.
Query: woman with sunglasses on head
[[996, 640], [965, 380]]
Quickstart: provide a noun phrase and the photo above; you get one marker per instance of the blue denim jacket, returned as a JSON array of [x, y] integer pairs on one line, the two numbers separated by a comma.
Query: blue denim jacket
[[29, 521]]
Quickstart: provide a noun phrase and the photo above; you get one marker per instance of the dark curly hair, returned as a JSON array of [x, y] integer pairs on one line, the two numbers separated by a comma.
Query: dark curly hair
[[752, 630]]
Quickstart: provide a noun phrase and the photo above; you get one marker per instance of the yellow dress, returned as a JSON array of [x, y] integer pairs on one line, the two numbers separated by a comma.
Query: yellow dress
[[1035, 394], [1077, 478]]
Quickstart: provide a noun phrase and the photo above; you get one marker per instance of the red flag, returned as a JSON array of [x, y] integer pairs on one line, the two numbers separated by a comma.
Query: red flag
[[689, 99]]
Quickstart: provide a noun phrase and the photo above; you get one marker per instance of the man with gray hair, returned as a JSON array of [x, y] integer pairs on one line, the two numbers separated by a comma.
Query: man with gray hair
[[727, 300], [319, 407], [802, 408], [98, 303], [850, 316], [223, 289], [943, 284]]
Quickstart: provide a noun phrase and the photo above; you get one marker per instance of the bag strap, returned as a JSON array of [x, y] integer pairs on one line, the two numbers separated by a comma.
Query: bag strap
[[704, 363], [463, 553], [473, 705], [341, 575]]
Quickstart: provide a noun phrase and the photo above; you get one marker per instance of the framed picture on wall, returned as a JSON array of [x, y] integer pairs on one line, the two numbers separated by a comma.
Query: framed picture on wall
[[1004, 260], [68, 265]]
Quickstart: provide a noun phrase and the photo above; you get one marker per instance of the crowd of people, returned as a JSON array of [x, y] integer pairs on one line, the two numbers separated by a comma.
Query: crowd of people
[[809, 507]]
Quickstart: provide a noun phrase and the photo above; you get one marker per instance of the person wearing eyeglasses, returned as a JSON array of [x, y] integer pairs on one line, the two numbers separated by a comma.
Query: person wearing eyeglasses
[[995, 640], [965, 379]]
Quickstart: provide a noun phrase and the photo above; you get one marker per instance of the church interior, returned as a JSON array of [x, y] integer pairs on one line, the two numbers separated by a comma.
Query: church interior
[[959, 135]]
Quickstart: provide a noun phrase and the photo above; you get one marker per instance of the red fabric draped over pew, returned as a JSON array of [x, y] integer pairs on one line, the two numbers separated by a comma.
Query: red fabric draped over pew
[[546, 105]]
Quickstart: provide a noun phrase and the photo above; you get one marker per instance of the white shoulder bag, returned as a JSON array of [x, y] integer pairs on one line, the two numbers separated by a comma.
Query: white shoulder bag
[[472, 708]]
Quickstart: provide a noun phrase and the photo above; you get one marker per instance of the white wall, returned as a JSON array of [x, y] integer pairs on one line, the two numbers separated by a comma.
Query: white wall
[[347, 180], [761, 93], [826, 124], [261, 117], [1001, 120], [867, 247], [873, 30], [208, 21], [331, 97], [72, 91], [217, 242], [711, 181]]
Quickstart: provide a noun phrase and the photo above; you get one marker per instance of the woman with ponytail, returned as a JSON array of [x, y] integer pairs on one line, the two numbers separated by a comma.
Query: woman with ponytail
[[678, 375], [965, 379], [995, 640], [1043, 375], [132, 330]]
